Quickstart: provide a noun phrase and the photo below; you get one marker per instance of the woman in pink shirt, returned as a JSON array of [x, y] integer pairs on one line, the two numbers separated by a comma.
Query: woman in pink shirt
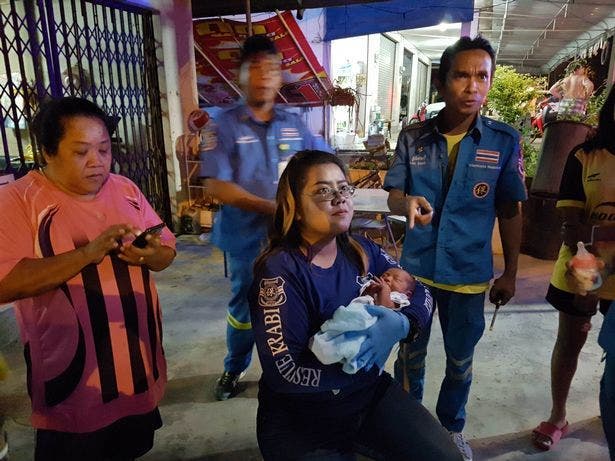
[[84, 297]]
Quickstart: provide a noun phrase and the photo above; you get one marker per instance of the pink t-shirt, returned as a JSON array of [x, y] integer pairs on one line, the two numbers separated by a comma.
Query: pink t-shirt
[[93, 345]]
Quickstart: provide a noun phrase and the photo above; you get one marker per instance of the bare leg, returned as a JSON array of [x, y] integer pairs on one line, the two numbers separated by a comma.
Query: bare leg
[[571, 335]]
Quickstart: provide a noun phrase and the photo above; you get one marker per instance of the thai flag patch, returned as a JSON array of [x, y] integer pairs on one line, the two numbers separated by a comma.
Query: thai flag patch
[[487, 156]]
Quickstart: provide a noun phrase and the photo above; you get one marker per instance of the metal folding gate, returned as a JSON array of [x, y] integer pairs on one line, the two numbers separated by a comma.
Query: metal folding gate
[[102, 50]]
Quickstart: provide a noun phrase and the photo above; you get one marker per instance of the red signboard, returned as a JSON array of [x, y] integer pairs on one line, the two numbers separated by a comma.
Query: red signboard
[[217, 45]]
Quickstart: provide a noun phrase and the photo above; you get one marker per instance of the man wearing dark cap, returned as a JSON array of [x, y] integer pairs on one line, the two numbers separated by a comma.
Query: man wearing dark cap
[[253, 143]]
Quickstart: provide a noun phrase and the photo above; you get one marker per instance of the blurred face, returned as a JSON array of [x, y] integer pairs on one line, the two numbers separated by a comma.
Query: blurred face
[[321, 216], [467, 82], [261, 79], [81, 165], [398, 280]]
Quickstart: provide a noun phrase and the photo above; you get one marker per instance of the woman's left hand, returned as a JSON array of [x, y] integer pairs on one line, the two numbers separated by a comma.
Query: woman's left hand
[[139, 256], [390, 327]]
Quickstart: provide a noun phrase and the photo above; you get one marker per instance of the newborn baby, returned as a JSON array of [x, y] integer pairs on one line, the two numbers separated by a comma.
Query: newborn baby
[[340, 337], [392, 289]]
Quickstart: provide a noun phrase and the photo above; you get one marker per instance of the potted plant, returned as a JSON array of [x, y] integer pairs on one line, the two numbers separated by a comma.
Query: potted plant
[[342, 96], [513, 97], [594, 104], [510, 96]]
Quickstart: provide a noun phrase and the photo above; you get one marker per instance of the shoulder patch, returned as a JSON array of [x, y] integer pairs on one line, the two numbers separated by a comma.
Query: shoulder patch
[[271, 292], [208, 139], [520, 162], [364, 280]]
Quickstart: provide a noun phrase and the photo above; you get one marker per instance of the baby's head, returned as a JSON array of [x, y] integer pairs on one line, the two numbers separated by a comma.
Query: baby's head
[[399, 280]]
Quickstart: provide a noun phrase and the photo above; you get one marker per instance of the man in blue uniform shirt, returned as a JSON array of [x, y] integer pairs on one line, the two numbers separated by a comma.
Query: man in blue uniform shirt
[[451, 176], [248, 147]]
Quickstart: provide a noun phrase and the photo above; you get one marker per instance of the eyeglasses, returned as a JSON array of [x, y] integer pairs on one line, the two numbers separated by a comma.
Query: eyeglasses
[[329, 193]]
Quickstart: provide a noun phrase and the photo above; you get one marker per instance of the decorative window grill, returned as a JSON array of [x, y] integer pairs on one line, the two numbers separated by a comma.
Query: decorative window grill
[[101, 50]]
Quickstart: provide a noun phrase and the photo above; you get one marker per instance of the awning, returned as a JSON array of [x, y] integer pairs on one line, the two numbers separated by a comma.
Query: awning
[[217, 42], [373, 18], [209, 8]]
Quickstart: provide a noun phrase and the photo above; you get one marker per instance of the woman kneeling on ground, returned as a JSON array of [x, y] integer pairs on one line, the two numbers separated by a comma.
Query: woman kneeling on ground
[[312, 266]]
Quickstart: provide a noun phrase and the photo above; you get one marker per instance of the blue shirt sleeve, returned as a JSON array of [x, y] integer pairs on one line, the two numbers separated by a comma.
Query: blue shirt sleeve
[[420, 309], [215, 159], [511, 183], [282, 321], [397, 176]]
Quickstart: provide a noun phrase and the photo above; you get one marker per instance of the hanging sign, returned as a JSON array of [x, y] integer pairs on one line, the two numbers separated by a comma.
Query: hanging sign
[[217, 49]]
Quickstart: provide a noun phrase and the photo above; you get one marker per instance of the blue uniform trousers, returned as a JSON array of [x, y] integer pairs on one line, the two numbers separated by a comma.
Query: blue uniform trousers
[[463, 322], [239, 334], [607, 402]]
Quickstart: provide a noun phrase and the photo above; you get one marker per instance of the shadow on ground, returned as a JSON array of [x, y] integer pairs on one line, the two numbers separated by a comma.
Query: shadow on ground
[[199, 389]]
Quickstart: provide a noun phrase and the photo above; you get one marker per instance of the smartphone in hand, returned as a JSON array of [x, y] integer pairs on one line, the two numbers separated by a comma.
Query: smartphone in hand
[[140, 241]]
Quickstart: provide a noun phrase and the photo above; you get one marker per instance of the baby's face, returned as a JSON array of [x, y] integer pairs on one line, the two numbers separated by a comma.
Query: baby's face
[[398, 280]]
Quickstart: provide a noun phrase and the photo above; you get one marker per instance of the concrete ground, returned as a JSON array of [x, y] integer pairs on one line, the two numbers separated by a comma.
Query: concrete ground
[[509, 397]]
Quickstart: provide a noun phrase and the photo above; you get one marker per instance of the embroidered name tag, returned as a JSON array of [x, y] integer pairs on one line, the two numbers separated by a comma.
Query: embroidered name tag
[[246, 139], [290, 134], [418, 160], [487, 156]]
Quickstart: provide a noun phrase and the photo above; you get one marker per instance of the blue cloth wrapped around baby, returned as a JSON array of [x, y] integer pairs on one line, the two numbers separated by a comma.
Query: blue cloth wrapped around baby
[[340, 337]]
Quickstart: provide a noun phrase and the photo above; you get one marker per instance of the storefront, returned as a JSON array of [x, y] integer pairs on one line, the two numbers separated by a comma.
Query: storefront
[[390, 78]]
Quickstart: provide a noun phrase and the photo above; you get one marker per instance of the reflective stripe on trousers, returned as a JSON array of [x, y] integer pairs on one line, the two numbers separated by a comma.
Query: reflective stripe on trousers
[[462, 321]]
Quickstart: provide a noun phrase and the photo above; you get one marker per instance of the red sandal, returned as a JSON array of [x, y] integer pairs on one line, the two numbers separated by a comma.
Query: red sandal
[[548, 431]]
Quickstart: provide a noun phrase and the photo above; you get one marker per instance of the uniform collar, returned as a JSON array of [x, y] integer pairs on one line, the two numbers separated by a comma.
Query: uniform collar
[[476, 130], [246, 114]]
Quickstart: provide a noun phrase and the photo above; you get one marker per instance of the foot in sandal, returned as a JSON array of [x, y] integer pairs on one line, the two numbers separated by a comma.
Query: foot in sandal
[[546, 435]]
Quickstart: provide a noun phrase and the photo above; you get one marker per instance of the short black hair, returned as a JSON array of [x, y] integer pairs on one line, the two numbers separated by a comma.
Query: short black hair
[[255, 45], [48, 125], [464, 44]]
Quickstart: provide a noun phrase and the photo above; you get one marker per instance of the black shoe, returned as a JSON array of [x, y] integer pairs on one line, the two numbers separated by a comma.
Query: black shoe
[[227, 385]]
